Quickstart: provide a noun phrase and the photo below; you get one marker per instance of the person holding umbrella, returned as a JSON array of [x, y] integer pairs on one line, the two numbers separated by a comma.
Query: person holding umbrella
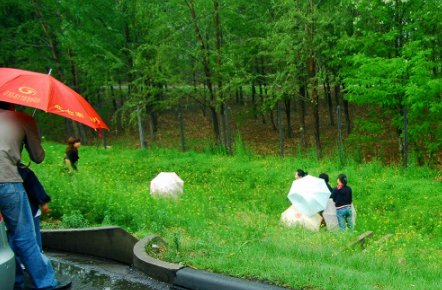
[[300, 174], [18, 129], [343, 197]]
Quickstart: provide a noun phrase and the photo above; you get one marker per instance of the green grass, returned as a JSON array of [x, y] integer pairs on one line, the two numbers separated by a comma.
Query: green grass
[[227, 221]]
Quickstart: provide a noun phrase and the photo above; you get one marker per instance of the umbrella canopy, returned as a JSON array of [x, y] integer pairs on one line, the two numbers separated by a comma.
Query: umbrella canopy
[[166, 184], [293, 217], [309, 194], [330, 218], [42, 91]]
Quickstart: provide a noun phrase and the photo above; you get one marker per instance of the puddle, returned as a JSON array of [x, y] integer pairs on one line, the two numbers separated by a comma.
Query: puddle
[[90, 273], [94, 279]]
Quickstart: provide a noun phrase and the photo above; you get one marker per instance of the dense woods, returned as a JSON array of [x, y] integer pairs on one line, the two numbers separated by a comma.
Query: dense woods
[[134, 59]]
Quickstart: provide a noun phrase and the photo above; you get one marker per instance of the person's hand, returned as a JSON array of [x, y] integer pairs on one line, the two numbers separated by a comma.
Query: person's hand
[[45, 208]]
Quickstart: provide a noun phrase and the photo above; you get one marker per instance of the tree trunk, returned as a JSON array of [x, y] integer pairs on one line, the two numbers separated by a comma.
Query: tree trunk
[[400, 140], [261, 96], [315, 111], [222, 126], [274, 127], [215, 124], [255, 109], [207, 72], [75, 127], [114, 99], [337, 93], [50, 40], [262, 84], [153, 122], [289, 121], [347, 116], [301, 106], [152, 126], [346, 113], [143, 140], [313, 82], [219, 103], [327, 91], [78, 128]]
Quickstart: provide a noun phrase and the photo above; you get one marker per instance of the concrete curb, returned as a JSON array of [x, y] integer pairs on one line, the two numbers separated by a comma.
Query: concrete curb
[[116, 244], [108, 242], [160, 270], [188, 278]]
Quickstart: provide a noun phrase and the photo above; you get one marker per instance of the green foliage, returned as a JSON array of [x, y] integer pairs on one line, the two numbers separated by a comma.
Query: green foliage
[[143, 57], [241, 150], [227, 221], [73, 220]]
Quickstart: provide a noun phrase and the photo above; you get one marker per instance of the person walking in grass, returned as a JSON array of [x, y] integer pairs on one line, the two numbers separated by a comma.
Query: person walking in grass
[[71, 155], [343, 197]]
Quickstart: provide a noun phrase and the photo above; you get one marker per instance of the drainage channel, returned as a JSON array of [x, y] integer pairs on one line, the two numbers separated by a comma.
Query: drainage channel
[[91, 273]]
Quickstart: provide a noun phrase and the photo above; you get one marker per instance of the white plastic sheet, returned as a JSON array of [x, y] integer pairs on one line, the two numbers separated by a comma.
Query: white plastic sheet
[[293, 217], [167, 184]]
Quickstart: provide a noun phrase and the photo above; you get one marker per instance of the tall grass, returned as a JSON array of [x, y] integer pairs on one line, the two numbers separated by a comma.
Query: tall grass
[[227, 221]]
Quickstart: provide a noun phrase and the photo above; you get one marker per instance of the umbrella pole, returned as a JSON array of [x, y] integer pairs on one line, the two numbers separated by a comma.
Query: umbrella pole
[[38, 126]]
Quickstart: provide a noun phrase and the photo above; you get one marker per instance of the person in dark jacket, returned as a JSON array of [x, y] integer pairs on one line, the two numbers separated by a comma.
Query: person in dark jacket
[[37, 197], [71, 156], [343, 198], [326, 179]]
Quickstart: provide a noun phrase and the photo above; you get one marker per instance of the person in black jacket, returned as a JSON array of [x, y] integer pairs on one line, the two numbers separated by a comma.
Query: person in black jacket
[[71, 156], [343, 198], [326, 179], [37, 197]]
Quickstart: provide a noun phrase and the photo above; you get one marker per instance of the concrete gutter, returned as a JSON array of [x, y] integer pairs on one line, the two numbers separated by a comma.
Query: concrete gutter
[[188, 278], [114, 243], [109, 242], [157, 269]]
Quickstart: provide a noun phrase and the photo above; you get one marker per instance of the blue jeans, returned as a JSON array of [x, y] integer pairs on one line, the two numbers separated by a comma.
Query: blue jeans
[[38, 233], [19, 221], [345, 217]]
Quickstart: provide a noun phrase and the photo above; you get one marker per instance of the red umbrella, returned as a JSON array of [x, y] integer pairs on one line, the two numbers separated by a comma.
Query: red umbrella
[[42, 91]]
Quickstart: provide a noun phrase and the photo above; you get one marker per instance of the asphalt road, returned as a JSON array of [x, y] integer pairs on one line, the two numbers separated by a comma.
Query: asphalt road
[[91, 273]]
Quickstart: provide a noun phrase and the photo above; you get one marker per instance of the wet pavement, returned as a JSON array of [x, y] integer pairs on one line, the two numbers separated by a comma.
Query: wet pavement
[[92, 273]]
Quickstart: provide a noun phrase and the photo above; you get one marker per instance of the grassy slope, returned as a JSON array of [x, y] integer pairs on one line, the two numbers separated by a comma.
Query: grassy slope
[[228, 219]]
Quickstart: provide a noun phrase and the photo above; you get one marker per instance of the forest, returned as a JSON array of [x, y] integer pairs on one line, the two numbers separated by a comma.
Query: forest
[[137, 62]]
